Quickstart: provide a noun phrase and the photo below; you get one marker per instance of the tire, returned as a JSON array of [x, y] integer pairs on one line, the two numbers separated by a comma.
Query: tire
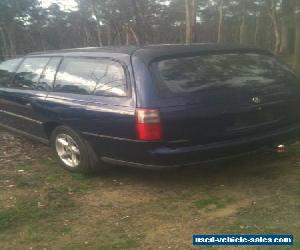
[[73, 151]]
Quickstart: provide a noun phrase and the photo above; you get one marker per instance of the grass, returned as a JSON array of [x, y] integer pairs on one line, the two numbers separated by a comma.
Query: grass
[[128, 244], [28, 210], [125, 244], [44, 207], [212, 202]]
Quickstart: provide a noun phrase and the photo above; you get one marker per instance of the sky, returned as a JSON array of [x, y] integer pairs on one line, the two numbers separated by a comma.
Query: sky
[[65, 4]]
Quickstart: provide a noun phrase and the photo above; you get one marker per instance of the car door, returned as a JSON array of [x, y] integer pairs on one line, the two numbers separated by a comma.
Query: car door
[[7, 71], [92, 96], [22, 101]]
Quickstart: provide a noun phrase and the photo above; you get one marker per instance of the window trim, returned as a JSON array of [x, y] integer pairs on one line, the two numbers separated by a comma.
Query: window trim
[[51, 86], [123, 64]]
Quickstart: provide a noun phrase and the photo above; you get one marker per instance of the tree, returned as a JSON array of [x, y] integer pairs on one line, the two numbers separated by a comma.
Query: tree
[[139, 23], [190, 20], [271, 24], [297, 42], [259, 16], [221, 21], [275, 23], [243, 26], [96, 14], [287, 25], [13, 16]]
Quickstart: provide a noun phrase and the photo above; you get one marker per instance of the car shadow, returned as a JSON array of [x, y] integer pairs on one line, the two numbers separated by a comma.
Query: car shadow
[[254, 167]]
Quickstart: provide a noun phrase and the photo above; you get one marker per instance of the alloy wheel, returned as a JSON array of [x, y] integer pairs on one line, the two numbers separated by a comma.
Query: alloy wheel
[[67, 150]]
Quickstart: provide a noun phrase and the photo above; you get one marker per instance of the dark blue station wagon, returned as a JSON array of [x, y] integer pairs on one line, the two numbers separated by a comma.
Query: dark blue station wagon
[[156, 106]]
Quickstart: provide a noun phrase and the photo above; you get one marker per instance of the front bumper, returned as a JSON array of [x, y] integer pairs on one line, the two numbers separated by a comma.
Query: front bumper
[[166, 157]]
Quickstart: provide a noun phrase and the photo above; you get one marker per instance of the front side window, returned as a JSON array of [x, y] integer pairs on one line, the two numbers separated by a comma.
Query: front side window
[[7, 69], [92, 77], [29, 73]]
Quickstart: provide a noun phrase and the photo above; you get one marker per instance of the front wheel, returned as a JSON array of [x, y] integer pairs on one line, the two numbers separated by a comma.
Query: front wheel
[[73, 152]]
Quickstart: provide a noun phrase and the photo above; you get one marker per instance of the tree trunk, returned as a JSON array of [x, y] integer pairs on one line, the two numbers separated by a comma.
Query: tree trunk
[[297, 42], [95, 12], [99, 36], [87, 36], [4, 44], [257, 28], [274, 18], [109, 35], [139, 24], [42, 41], [287, 8], [127, 35], [10, 31], [194, 6], [190, 20], [243, 31], [116, 39], [134, 35], [284, 46], [243, 25], [188, 23], [221, 20]]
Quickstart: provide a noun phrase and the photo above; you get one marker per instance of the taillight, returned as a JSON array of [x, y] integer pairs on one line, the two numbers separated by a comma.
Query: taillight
[[148, 125]]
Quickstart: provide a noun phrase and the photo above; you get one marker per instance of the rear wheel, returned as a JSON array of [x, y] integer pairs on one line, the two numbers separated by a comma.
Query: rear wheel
[[73, 152]]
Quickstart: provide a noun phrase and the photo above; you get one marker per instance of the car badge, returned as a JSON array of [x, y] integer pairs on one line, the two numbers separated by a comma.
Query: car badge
[[256, 100]]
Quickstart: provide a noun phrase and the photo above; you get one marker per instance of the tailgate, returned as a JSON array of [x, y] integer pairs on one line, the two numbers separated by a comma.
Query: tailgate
[[225, 96]]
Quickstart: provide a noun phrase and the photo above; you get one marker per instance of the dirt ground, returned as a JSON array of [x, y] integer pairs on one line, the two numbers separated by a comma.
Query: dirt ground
[[44, 207]]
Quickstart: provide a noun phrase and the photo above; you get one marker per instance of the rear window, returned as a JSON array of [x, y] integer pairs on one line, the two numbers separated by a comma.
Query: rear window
[[184, 75]]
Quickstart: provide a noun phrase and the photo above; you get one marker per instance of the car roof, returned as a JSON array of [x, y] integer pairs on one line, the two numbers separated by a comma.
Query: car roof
[[151, 52], [122, 50], [156, 52]]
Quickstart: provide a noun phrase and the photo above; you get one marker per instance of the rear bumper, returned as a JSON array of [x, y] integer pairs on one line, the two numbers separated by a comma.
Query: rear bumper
[[186, 164], [160, 156]]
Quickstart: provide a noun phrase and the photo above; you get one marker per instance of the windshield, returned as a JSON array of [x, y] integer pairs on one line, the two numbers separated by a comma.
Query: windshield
[[192, 74]]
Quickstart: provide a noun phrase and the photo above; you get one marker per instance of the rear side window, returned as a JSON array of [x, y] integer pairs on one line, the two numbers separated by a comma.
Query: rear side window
[[184, 75], [91, 77], [7, 69], [29, 73]]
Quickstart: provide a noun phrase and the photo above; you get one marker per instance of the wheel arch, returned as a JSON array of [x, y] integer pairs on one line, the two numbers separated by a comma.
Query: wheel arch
[[49, 127]]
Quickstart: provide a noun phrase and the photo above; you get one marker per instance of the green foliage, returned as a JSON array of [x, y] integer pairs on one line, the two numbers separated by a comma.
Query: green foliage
[[25, 26]]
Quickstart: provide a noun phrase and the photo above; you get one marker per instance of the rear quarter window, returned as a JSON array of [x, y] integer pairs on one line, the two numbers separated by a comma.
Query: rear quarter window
[[88, 76]]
